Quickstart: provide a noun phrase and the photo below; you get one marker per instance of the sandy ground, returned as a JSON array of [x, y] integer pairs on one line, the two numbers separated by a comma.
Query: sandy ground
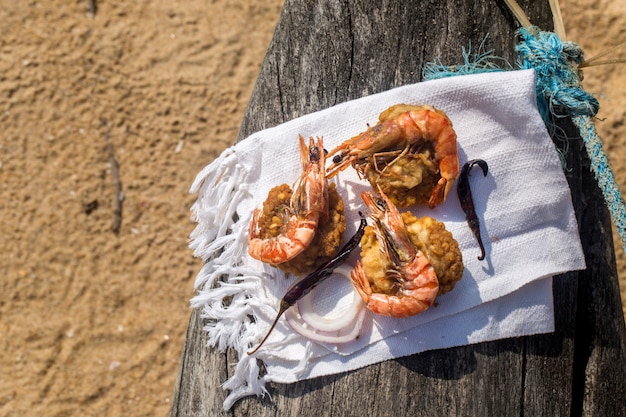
[[93, 321]]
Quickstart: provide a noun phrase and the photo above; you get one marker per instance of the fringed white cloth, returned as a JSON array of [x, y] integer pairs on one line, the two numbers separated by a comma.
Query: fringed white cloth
[[524, 204], [228, 288]]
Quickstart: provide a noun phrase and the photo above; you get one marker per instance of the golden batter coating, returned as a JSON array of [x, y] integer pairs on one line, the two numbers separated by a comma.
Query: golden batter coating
[[442, 250], [409, 180], [375, 265], [272, 217], [327, 238]]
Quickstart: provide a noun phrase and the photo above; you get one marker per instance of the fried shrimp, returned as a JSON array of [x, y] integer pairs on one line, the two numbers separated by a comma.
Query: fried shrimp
[[439, 246], [326, 241], [410, 154], [394, 278], [290, 228]]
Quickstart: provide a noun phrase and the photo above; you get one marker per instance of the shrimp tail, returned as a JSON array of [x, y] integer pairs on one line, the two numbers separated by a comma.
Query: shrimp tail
[[438, 195]]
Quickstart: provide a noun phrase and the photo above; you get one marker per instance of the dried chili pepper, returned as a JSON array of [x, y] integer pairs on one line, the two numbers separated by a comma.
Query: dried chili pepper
[[467, 202], [306, 284]]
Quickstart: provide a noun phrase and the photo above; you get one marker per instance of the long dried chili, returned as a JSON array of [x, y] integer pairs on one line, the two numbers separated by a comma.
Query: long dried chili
[[467, 202]]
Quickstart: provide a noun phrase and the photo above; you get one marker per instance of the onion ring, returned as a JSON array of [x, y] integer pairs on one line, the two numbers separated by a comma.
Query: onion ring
[[345, 335], [308, 322]]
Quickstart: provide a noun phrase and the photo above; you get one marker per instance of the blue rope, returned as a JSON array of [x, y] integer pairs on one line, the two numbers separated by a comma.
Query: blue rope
[[473, 63], [559, 91], [558, 85]]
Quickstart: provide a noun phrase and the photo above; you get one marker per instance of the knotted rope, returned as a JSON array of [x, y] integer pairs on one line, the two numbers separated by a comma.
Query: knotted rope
[[559, 86], [559, 91]]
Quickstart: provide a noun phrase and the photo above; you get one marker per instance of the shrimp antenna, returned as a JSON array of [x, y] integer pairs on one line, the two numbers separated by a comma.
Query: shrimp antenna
[[283, 307]]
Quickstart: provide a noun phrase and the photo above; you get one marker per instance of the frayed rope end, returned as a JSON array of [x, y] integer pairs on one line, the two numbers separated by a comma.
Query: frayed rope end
[[559, 89], [473, 63]]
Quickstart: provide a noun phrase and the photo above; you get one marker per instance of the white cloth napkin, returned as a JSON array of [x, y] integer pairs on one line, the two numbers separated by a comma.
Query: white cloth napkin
[[524, 204]]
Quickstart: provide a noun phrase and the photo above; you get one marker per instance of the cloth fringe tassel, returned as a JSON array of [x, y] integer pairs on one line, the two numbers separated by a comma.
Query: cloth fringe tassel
[[559, 91], [225, 283]]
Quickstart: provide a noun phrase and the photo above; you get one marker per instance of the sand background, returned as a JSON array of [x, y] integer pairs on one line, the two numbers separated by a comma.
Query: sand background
[[93, 322]]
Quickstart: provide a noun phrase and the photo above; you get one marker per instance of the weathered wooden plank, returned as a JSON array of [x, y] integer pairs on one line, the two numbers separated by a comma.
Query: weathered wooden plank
[[331, 51], [550, 358], [600, 341], [202, 371]]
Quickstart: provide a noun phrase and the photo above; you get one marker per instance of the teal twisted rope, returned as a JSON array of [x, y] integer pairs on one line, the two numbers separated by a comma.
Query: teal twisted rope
[[559, 86]]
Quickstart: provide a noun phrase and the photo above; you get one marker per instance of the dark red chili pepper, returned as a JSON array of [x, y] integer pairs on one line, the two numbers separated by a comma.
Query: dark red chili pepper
[[306, 284], [467, 202]]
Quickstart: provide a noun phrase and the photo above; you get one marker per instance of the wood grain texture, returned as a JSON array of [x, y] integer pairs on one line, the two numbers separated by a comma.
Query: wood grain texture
[[331, 51]]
